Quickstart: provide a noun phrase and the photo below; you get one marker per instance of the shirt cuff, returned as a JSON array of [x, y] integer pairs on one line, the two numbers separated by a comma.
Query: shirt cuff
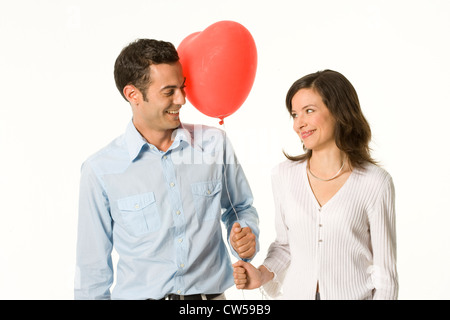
[[273, 287]]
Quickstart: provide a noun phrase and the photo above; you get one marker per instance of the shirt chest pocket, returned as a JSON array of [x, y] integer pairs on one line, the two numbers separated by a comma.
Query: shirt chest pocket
[[140, 213], [207, 199]]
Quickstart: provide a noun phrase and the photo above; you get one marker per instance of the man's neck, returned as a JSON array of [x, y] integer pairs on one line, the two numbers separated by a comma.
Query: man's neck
[[161, 139]]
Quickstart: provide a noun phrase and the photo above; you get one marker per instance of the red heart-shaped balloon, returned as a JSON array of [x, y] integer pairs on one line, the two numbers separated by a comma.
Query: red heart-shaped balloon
[[220, 67]]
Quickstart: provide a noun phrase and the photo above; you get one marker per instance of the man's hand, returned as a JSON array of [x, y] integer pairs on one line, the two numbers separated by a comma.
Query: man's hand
[[243, 241]]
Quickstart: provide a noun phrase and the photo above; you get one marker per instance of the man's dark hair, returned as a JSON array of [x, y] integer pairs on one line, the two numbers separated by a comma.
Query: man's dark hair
[[133, 63]]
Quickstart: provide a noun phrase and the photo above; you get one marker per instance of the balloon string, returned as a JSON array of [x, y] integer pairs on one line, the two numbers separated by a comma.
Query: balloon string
[[226, 183], [225, 171]]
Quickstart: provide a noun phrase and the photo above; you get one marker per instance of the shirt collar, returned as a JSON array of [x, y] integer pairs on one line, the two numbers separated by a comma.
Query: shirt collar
[[186, 133], [183, 136], [134, 140]]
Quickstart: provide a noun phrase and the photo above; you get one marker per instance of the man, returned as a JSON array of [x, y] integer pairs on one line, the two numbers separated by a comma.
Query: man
[[156, 195]]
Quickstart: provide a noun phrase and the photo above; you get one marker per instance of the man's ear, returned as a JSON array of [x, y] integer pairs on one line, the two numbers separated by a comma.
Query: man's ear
[[132, 94]]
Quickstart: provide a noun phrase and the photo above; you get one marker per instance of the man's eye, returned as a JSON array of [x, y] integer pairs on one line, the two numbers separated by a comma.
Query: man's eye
[[169, 93]]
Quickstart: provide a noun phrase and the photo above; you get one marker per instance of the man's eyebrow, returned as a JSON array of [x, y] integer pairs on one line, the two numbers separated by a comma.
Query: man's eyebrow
[[173, 86]]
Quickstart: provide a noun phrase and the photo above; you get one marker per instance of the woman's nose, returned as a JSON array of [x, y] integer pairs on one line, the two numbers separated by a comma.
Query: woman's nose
[[299, 123]]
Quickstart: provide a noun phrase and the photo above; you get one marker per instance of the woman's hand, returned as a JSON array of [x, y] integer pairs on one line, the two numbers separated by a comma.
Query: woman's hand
[[246, 276]]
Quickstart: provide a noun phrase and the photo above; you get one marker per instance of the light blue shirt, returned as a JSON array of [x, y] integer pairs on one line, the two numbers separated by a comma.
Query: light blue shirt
[[161, 211]]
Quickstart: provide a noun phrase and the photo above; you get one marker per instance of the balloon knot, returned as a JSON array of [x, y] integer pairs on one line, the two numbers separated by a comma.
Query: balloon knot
[[221, 122]]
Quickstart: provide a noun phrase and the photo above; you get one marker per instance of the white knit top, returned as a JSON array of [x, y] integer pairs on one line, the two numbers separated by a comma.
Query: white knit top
[[348, 245]]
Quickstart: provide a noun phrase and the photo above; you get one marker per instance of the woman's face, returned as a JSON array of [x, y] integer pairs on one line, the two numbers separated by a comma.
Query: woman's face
[[313, 121]]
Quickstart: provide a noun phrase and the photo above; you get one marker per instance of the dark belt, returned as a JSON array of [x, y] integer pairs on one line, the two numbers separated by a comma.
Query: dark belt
[[191, 297]]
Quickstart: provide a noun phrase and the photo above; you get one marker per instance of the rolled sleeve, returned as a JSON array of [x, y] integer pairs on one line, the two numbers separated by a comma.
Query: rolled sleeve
[[383, 235], [94, 271]]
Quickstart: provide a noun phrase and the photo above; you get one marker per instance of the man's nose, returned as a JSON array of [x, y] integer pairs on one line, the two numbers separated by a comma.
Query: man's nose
[[180, 97]]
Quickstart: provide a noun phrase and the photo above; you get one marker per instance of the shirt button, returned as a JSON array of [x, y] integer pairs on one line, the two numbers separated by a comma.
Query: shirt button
[[136, 206], [182, 265], [320, 240], [165, 157], [320, 225], [178, 291], [209, 191], [178, 212], [180, 240], [172, 184]]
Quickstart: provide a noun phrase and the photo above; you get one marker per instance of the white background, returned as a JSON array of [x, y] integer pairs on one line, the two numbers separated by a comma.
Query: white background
[[59, 104]]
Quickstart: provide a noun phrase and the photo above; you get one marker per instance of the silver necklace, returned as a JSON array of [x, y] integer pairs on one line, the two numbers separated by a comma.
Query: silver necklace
[[325, 180]]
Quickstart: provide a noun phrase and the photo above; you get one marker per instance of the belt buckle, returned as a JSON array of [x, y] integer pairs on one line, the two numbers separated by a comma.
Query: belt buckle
[[186, 297]]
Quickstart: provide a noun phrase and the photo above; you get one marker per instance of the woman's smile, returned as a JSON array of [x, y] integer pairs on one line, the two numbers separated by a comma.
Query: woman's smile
[[306, 134]]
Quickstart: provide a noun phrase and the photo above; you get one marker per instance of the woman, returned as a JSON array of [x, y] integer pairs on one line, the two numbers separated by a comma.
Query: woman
[[335, 215]]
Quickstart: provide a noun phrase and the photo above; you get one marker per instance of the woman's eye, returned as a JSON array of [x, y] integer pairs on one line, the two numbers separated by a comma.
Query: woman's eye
[[309, 110], [293, 115]]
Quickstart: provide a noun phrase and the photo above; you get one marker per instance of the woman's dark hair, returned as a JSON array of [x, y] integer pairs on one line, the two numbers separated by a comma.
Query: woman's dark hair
[[352, 132], [133, 63]]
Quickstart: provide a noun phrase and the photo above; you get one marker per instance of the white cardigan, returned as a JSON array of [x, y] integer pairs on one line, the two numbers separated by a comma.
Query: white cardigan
[[348, 245]]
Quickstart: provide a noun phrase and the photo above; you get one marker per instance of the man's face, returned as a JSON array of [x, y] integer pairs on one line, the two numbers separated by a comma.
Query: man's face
[[165, 96]]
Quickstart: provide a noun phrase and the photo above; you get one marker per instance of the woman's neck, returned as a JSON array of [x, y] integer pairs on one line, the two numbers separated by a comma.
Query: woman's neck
[[326, 162]]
